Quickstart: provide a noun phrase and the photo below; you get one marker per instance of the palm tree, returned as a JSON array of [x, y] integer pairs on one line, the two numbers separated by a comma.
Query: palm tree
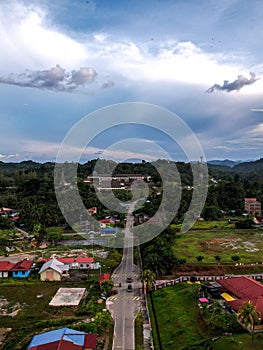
[[248, 317], [149, 278]]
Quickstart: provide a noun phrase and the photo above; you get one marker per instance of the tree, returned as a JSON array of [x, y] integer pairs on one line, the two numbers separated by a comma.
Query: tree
[[235, 258], [218, 259], [248, 317], [54, 237], [149, 278], [103, 320], [199, 257], [107, 286]]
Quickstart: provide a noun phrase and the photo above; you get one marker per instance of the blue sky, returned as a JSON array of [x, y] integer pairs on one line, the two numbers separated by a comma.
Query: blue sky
[[62, 60]]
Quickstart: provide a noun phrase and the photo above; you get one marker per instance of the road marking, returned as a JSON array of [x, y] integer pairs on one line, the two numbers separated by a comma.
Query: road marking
[[112, 298]]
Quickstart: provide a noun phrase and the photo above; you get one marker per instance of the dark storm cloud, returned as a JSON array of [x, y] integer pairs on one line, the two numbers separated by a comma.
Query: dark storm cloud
[[55, 78], [108, 84], [236, 85]]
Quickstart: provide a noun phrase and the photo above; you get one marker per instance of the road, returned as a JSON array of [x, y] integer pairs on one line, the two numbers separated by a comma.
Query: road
[[125, 305]]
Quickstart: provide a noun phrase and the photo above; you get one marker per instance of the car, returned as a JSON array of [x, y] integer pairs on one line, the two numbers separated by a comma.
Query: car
[[129, 279], [129, 288]]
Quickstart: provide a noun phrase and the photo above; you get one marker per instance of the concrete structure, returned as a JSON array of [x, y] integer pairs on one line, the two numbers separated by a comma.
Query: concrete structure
[[252, 206], [68, 297]]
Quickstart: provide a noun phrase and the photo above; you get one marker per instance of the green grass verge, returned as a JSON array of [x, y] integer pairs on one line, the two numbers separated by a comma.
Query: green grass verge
[[139, 331], [181, 326]]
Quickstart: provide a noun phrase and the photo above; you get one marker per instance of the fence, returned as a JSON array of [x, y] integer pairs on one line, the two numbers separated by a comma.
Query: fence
[[258, 276]]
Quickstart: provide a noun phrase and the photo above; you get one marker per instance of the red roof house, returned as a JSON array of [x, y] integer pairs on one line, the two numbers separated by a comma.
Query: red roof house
[[5, 267], [22, 268], [244, 289], [63, 339]]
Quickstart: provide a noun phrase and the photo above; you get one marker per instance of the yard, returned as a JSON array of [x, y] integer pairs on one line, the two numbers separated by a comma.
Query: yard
[[182, 327], [247, 244], [34, 313]]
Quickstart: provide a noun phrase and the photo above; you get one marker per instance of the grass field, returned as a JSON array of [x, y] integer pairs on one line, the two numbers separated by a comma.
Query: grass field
[[248, 244], [181, 326]]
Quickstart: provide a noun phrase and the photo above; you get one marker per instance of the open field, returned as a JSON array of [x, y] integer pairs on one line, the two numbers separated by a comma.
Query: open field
[[248, 244], [34, 313], [181, 327]]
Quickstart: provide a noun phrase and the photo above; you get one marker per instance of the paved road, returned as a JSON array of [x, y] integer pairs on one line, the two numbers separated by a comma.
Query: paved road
[[125, 305]]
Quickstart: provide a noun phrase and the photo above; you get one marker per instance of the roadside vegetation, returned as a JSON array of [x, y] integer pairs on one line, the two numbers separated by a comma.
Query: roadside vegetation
[[183, 325]]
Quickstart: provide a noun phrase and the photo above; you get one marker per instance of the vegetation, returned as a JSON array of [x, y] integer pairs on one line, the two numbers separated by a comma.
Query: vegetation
[[249, 316], [183, 325], [35, 315], [139, 331]]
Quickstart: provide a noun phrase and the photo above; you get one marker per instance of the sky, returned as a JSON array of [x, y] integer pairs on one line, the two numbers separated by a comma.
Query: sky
[[61, 61]]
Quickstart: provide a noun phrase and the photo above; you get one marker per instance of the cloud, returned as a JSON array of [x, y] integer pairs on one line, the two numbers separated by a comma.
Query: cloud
[[236, 85], [8, 156], [55, 78], [108, 84]]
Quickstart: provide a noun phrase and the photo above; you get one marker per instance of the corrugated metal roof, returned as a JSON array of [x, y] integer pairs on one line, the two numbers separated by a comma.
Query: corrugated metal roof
[[23, 265], [242, 287], [63, 339], [53, 264], [6, 265]]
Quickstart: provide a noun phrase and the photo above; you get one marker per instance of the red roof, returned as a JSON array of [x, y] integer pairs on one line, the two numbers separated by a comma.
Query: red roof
[[84, 260], [66, 260], [243, 287], [104, 277], [90, 341], [250, 200], [257, 302], [105, 221], [23, 265], [6, 266]]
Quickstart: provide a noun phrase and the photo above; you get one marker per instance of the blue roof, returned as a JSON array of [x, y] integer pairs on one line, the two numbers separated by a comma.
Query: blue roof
[[109, 230], [76, 337]]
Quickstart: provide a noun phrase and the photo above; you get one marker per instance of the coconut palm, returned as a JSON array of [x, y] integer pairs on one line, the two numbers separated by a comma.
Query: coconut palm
[[248, 317], [149, 278]]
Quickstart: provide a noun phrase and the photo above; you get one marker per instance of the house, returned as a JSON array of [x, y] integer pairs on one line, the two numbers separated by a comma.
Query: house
[[92, 210], [63, 339], [242, 289], [252, 206], [109, 231], [75, 263], [5, 267], [85, 263], [53, 270], [68, 261], [22, 269]]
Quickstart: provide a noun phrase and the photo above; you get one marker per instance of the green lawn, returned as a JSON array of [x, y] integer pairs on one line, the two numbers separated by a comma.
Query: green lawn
[[181, 327], [248, 244]]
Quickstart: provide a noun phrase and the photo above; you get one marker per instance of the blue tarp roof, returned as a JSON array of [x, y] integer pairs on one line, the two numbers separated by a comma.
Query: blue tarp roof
[[76, 337]]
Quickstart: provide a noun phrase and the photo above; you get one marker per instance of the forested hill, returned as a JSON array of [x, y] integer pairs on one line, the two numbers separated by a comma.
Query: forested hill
[[216, 168], [249, 166]]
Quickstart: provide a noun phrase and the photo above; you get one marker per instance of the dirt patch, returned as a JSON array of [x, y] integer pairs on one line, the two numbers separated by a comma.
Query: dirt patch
[[3, 334], [8, 310]]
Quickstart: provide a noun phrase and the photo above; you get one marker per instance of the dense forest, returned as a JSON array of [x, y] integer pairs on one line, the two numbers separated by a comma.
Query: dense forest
[[29, 187]]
